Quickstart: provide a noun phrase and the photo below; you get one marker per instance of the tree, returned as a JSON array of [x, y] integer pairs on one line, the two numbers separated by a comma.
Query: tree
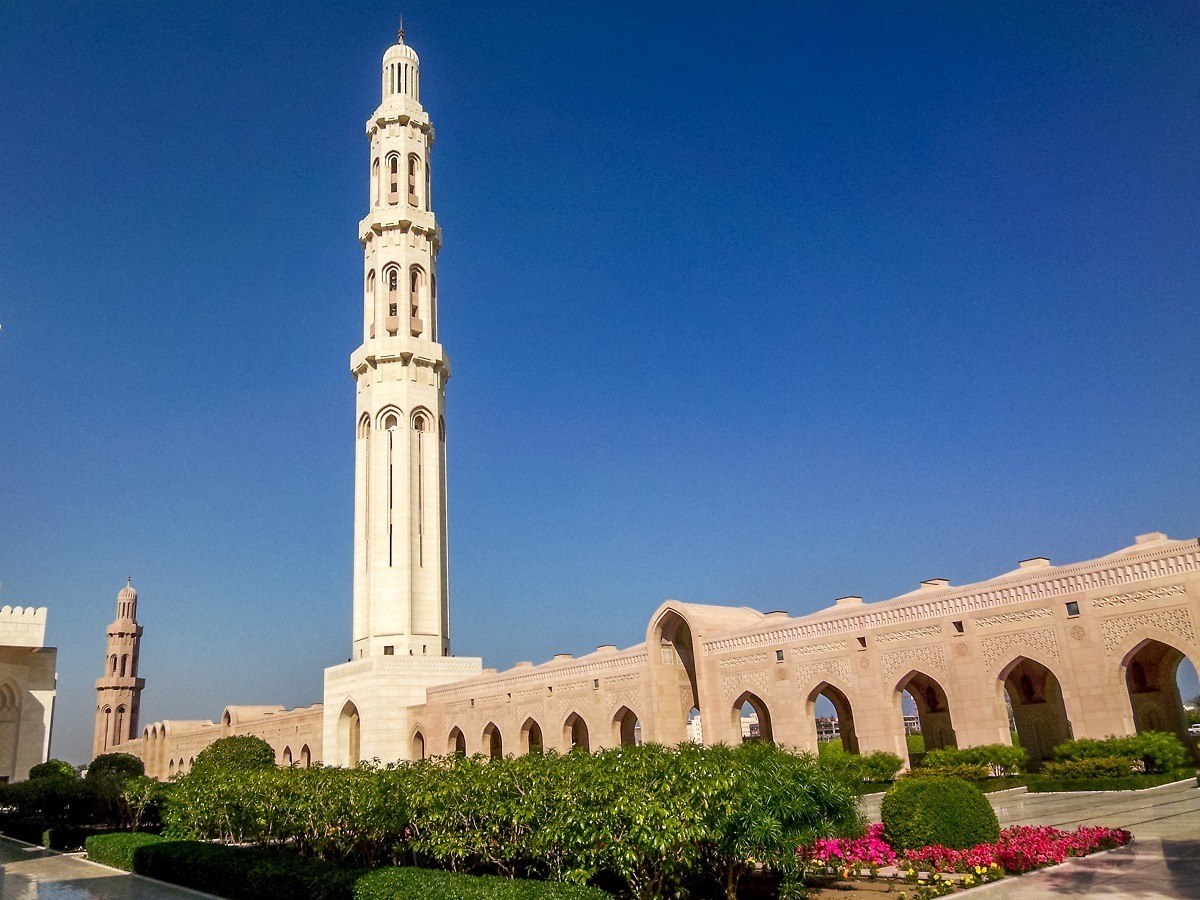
[[118, 767], [54, 768], [240, 752]]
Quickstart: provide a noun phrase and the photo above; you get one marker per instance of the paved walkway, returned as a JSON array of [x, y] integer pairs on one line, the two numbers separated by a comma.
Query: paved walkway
[[29, 873], [1162, 863]]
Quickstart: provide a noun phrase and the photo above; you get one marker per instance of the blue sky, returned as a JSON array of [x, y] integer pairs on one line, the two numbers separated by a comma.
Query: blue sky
[[762, 305]]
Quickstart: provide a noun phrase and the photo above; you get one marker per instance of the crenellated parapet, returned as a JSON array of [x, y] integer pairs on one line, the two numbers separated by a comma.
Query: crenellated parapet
[[23, 626]]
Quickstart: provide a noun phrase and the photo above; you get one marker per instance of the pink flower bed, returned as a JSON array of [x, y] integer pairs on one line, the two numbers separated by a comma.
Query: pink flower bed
[[854, 853], [1020, 848]]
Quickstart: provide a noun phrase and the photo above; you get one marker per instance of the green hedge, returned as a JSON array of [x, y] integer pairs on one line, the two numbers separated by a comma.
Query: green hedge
[[951, 812], [965, 771], [238, 873], [871, 768], [117, 850], [1039, 784], [1002, 759], [1160, 752], [403, 883], [1093, 767], [640, 816]]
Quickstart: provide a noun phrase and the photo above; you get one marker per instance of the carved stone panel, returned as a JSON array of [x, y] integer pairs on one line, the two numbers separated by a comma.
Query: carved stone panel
[[1003, 647], [928, 657], [1176, 621]]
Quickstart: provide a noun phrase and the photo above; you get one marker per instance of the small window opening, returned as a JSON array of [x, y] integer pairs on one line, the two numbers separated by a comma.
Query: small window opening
[[778, 656], [389, 650], [958, 627], [595, 684], [862, 643], [1072, 608]]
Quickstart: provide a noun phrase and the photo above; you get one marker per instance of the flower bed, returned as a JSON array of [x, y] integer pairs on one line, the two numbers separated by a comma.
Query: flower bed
[[1020, 848]]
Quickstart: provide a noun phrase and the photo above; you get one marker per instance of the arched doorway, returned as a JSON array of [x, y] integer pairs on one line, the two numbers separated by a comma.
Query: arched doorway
[[752, 718], [531, 736], [575, 733], [676, 690], [830, 709], [1037, 712], [493, 741], [921, 698], [1153, 672], [457, 745], [349, 735], [627, 730], [305, 757], [287, 757], [418, 745]]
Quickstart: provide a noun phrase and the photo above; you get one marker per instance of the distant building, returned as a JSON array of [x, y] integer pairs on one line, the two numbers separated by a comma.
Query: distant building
[[27, 690]]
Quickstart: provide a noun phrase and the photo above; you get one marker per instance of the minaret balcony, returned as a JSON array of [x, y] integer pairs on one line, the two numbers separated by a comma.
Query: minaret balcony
[[416, 326]]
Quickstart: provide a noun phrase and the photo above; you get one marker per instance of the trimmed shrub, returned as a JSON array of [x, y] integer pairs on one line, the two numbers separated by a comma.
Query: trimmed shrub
[[877, 767], [237, 752], [406, 883], [117, 850], [965, 771], [1092, 767], [953, 813], [1159, 752], [239, 873], [1002, 759]]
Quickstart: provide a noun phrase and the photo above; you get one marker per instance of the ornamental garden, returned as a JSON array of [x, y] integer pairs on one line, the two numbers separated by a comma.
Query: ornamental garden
[[753, 821]]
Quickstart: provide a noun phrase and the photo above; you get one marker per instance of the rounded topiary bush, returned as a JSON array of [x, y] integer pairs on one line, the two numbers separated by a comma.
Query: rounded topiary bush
[[239, 752], [951, 812]]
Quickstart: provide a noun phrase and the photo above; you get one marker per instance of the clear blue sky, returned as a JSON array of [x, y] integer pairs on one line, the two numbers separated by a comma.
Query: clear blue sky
[[765, 305]]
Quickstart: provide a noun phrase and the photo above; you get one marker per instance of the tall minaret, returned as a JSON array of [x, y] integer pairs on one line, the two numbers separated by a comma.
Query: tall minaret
[[119, 690], [400, 572]]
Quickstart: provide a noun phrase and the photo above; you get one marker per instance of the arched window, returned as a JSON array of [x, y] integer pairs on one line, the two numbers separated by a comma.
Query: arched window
[[458, 742], [419, 423], [418, 746], [393, 180], [305, 757], [124, 664], [414, 299], [392, 277], [119, 728], [414, 170], [375, 181]]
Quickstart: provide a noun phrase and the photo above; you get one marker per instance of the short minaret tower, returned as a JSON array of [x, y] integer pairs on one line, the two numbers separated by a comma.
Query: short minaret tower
[[400, 573], [119, 690]]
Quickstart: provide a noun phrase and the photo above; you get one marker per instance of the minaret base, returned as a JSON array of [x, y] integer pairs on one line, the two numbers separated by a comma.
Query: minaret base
[[370, 704]]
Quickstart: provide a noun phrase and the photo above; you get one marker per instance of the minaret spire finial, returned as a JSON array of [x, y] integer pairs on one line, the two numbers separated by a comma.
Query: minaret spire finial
[[400, 33]]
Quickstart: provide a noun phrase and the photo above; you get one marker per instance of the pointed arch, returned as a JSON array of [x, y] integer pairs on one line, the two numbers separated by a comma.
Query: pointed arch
[[758, 728], [673, 675], [933, 708], [418, 745], [626, 729], [286, 758], [1038, 712], [493, 741], [456, 745], [531, 736], [305, 757], [349, 735], [843, 715], [389, 417], [575, 733], [1150, 670]]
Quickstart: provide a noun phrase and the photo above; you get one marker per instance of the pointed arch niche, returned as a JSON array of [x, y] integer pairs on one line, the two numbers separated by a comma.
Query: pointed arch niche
[[923, 696], [1035, 706]]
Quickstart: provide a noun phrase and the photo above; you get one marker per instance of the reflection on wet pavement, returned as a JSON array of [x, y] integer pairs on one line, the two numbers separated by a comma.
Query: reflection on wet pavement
[[29, 873]]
